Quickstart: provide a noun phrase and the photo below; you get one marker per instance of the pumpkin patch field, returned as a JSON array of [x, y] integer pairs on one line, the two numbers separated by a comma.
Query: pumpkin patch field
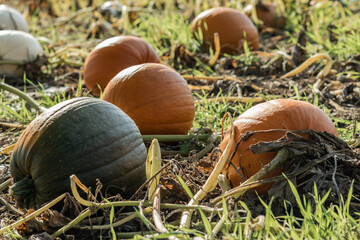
[[182, 119]]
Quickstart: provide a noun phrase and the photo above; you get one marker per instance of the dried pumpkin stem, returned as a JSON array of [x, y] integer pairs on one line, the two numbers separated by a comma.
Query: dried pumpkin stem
[[71, 224], [75, 181], [130, 235], [10, 207], [68, 62], [278, 53], [75, 15], [32, 215], [209, 147], [223, 183], [233, 99], [22, 95], [132, 203], [118, 223], [211, 182], [70, 48], [5, 184], [12, 62], [143, 217], [13, 125], [156, 213], [253, 12], [125, 17], [310, 61], [219, 225], [196, 88], [354, 142], [282, 156], [175, 138], [153, 165], [212, 79], [217, 49]]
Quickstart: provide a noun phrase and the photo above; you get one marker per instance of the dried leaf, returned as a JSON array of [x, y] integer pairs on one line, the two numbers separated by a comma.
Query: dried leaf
[[48, 221]]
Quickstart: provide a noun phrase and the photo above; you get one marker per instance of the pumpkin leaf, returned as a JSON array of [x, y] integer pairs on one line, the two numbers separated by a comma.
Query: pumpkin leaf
[[153, 166]]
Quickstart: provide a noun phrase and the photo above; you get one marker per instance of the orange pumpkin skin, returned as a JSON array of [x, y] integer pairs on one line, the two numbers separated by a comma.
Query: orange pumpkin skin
[[230, 25], [276, 114], [113, 55], [156, 97]]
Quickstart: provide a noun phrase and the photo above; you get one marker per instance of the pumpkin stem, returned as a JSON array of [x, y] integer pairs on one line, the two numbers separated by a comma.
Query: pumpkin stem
[[211, 182], [5, 184], [32, 215], [282, 156], [232, 99], [217, 49], [24, 191], [156, 212], [176, 138], [22, 95], [13, 62], [153, 165], [211, 79], [308, 62]]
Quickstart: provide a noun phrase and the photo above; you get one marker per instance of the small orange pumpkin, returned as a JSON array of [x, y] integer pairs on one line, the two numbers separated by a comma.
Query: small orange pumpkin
[[276, 114], [230, 24], [113, 55], [156, 97], [268, 14]]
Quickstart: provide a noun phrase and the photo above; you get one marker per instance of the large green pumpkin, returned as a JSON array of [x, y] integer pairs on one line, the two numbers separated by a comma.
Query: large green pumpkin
[[88, 137]]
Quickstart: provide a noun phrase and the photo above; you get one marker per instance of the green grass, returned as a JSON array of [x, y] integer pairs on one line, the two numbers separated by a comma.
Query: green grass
[[163, 31], [15, 109], [162, 36], [328, 18], [314, 221]]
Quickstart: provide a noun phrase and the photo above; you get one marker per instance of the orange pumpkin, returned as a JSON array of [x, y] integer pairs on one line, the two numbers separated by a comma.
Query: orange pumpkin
[[276, 114], [268, 14], [156, 97], [113, 55], [230, 24]]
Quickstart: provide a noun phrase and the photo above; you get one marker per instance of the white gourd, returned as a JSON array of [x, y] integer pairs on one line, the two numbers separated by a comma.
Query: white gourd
[[19, 47], [11, 19]]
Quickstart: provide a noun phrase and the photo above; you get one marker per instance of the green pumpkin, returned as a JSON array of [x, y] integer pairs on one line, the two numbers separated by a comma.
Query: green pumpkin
[[88, 137]]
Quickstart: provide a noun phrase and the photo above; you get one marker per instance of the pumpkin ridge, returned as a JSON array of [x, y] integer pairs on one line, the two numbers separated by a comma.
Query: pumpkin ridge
[[281, 115], [124, 75], [82, 174], [153, 102], [66, 143], [178, 107], [114, 179], [152, 93], [129, 134], [42, 189], [123, 153], [53, 114], [114, 141], [43, 193], [50, 117]]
